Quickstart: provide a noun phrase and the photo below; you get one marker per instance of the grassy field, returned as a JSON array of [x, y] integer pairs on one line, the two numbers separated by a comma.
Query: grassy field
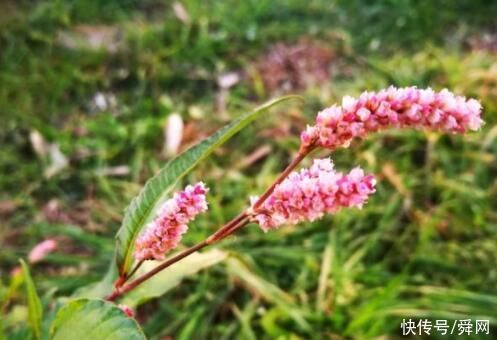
[[86, 88]]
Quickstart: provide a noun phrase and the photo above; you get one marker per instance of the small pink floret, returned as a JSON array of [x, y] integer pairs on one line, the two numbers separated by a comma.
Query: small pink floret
[[164, 232], [127, 310], [443, 111], [309, 194], [41, 250]]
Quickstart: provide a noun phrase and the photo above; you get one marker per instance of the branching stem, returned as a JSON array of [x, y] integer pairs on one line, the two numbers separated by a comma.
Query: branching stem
[[226, 230]]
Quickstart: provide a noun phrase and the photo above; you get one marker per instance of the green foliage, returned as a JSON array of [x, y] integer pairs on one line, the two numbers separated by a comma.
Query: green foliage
[[94, 319], [413, 18], [35, 312]]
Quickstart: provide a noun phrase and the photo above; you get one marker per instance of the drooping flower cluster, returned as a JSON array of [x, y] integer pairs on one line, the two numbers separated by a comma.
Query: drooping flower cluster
[[336, 126], [310, 193], [165, 231]]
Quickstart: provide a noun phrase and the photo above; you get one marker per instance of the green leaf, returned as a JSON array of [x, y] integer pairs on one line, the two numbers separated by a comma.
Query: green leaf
[[2, 332], [157, 189], [171, 277], [101, 288], [267, 290], [34, 303], [94, 319]]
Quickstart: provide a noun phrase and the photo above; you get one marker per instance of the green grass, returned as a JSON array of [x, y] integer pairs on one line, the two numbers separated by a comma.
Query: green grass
[[424, 248]]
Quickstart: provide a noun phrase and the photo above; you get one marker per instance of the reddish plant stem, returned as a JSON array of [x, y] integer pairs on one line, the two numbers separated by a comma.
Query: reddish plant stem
[[293, 164], [236, 227], [127, 287], [229, 228], [222, 232], [133, 284], [134, 270]]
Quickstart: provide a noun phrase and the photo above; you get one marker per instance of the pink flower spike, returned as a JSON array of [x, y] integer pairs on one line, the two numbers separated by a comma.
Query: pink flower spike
[[309, 194], [127, 310], [41, 250], [164, 232], [442, 111]]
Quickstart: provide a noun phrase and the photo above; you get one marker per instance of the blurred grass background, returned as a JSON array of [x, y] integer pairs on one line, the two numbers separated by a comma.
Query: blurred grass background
[[86, 88]]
